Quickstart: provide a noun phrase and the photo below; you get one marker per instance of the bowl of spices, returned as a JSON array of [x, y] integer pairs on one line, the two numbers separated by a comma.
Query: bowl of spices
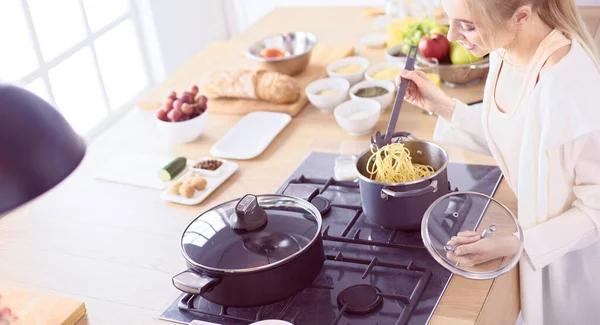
[[208, 166], [358, 117], [327, 93], [382, 91], [351, 68], [384, 71]]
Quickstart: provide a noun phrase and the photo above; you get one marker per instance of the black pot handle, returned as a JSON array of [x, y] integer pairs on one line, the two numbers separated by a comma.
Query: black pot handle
[[432, 187], [403, 134], [194, 283]]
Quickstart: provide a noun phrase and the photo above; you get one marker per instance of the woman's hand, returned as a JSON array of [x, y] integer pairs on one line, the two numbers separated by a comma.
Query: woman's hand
[[424, 93], [471, 249]]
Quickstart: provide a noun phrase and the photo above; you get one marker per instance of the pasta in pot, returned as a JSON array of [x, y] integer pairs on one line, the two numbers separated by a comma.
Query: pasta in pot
[[393, 164]]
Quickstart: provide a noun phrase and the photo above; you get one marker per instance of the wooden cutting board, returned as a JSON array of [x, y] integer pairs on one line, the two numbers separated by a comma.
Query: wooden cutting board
[[38, 308], [231, 54]]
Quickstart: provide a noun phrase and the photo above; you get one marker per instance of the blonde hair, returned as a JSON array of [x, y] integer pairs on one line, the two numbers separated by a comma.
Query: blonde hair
[[560, 14]]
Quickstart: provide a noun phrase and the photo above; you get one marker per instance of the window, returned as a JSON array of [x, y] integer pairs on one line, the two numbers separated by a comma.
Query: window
[[85, 57]]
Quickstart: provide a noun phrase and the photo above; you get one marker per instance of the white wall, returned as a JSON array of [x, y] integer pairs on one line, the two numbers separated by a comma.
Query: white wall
[[182, 28], [587, 2], [247, 12]]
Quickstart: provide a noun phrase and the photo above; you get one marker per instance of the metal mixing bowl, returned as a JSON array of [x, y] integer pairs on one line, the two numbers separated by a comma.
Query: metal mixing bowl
[[460, 75], [297, 47]]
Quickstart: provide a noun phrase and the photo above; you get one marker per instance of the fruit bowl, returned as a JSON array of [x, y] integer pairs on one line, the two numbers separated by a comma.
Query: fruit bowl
[[458, 75]]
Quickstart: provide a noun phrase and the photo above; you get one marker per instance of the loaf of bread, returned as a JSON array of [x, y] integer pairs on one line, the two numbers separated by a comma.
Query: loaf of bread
[[252, 84]]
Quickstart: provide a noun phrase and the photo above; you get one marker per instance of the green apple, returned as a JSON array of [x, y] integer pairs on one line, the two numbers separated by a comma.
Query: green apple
[[460, 55], [442, 30]]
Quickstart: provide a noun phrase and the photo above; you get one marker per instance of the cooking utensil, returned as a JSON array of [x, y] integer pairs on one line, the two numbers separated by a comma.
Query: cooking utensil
[[296, 46], [402, 205], [460, 211], [382, 140], [253, 251]]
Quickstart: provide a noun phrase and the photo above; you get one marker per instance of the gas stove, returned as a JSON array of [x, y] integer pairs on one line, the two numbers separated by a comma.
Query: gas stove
[[372, 275]]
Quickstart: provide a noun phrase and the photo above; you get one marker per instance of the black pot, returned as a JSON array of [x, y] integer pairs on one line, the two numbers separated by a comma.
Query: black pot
[[253, 251], [402, 205]]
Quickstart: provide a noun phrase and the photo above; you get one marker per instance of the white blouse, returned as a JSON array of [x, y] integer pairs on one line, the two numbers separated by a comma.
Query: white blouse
[[558, 185]]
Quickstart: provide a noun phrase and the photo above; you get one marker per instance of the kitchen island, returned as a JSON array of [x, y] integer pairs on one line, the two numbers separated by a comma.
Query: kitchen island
[[116, 247]]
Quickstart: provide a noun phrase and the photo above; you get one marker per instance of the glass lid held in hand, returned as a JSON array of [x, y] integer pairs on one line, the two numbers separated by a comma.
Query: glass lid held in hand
[[254, 232], [467, 232]]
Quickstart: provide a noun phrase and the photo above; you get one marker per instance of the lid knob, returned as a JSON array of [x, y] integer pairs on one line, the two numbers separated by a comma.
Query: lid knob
[[248, 214]]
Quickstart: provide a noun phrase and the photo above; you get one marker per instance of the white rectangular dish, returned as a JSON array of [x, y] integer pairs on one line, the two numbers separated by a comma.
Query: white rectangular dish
[[250, 136], [212, 183]]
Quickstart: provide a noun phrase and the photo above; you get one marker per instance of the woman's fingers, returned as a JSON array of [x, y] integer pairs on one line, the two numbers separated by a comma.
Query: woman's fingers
[[462, 260], [411, 75], [474, 248], [468, 233], [455, 241]]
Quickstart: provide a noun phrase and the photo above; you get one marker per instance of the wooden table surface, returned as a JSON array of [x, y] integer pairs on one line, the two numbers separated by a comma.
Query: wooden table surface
[[116, 247]]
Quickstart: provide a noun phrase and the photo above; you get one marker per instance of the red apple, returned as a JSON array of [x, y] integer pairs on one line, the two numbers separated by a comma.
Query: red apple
[[436, 46]]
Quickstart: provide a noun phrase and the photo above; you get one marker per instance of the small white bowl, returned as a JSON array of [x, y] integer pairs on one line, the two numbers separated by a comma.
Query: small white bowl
[[182, 132], [381, 66], [358, 117], [326, 103], [351, 77], [390, 57], [384, 100]]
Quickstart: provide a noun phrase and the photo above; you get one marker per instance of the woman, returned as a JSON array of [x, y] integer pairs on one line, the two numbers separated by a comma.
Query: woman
[[540, 120]]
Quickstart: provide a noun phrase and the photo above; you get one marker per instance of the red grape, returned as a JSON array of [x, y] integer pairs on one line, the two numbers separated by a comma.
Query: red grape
[[164, 108], [184, 118], [195, 114], [202, 100], [190, 97], [169, 103], [162, 115], [195, 90], [175, 115], [177, 104], [172, 95], [187, 109]]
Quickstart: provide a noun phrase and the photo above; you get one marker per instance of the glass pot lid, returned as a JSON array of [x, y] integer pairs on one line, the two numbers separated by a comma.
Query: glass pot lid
[[252, 233], [477, 217]]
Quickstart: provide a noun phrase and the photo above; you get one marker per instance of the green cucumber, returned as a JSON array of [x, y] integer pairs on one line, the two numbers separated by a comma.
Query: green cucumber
[[173, 168]]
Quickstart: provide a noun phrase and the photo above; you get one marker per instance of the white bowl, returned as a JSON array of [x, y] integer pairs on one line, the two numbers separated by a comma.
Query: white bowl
[[351, 77], [182, 132], [326, 103], [381, 66], [359, 116], [389, 55], [384, 100]]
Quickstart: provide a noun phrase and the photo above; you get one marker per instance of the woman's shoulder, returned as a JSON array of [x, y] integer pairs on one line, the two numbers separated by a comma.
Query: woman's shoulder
[[570, 68], [567, 100]]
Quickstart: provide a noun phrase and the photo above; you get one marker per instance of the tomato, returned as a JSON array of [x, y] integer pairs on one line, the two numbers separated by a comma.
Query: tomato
[[271, 52]]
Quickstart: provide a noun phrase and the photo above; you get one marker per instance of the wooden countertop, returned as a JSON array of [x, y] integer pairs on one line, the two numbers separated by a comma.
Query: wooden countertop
[[116, 247]]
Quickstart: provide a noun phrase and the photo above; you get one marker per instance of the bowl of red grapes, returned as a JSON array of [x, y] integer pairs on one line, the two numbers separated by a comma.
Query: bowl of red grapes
[[181, 117]]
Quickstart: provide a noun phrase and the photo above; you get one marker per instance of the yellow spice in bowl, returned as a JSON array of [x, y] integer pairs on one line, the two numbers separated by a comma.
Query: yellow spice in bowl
[[386, 74], [351, 68]]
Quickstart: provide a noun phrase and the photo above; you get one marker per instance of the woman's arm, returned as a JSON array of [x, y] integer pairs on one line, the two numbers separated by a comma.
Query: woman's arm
[[579, 226], [464, 129]]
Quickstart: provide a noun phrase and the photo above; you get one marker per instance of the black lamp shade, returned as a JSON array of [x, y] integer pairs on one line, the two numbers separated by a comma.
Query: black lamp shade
[[38, 147]]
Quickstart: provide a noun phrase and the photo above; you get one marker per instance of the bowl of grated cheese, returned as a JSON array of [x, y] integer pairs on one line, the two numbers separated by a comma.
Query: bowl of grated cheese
[[358, 116]]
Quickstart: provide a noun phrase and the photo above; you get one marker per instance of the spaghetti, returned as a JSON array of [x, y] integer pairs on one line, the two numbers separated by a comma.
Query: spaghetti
[[393, 164]]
